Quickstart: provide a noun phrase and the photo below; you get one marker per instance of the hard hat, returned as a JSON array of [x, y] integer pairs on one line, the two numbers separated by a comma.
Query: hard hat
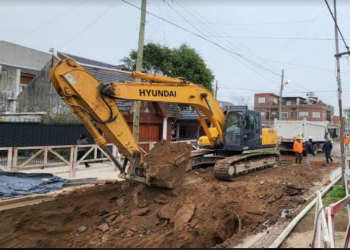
[[299, 137], [310, 137]]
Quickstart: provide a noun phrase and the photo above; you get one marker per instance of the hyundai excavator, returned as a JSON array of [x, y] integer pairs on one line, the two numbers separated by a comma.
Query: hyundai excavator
[[232, 132]]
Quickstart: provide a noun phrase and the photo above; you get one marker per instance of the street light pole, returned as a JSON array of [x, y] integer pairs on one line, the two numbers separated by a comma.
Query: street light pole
[[280, 102]]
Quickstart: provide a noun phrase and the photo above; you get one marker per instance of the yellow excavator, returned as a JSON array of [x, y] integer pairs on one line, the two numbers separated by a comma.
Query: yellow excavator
[[232, 132]]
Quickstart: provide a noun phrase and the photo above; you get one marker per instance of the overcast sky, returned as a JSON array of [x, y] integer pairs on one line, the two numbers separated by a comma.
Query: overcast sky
[[245, 43]]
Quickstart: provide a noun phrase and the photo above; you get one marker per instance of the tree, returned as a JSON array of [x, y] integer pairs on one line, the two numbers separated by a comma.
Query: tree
[[240, 100], [181, 62]]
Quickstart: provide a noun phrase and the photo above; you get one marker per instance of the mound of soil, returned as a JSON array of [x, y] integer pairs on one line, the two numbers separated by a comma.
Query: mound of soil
[[167, 163], [202, 212]]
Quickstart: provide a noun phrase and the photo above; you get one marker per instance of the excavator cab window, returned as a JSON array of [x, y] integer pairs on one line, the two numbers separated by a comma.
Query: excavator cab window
[[249, 127], [233, 131]]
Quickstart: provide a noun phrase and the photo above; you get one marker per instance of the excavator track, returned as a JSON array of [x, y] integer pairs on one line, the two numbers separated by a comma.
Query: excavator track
[[229, 168]]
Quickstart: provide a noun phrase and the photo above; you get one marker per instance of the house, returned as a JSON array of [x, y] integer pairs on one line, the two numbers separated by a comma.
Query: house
[[292, 108], [19, 65], [38, 97]]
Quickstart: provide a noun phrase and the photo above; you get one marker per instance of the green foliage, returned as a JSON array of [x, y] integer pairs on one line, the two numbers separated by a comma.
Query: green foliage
[[63, 116], [334, 195], [181, 62]]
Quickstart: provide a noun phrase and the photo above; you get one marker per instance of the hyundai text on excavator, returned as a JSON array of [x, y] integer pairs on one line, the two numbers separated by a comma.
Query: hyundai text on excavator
[[232, 132]]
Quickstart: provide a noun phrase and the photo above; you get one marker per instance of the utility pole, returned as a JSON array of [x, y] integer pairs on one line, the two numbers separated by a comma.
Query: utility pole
[[339, 98], [280, 102], [137, 104], [216, 90]]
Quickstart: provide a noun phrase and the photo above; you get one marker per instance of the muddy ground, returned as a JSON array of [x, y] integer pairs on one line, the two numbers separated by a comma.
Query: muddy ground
[[203, 212]]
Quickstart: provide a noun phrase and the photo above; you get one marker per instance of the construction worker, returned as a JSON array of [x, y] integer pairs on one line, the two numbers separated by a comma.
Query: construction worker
[[327, 148], [298, 149], [309, 152], [346, 142], [83, 140]]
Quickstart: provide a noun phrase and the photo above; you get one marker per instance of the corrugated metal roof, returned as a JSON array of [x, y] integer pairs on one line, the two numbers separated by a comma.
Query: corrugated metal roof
[[92, 62], [105, 77]]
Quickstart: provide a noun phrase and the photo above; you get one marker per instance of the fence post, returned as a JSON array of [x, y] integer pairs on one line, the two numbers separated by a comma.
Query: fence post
[[9, 166], [45, 156], [72, 169], [15, 159]]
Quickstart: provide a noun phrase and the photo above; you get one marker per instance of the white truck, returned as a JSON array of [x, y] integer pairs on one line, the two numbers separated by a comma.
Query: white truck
[[288, 131]]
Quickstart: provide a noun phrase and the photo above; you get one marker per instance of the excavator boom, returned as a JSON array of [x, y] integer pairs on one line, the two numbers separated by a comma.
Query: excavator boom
[[95, 104]]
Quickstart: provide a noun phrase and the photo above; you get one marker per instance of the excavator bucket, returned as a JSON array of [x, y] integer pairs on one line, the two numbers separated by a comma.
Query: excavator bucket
[[167, 163]]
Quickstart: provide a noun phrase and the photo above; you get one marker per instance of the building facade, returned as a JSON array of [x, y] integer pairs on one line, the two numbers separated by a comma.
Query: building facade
[[292, 108]]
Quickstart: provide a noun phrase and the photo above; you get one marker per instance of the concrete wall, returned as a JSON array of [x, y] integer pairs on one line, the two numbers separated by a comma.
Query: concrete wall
[[40, 95], [17, 55], [9, 88]]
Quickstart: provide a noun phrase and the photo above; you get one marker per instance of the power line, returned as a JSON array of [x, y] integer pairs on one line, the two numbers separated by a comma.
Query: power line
[[297, 34], [192, 12], [49, 21], [346, 46], [204, 38], [256, 24], [88, 26], [279, 38]]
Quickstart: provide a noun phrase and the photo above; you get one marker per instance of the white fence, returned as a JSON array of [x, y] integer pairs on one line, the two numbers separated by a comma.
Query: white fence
[[19, 158]]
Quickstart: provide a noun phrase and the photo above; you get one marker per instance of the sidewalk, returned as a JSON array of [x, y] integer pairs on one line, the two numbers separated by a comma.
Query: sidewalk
[[100, 171]]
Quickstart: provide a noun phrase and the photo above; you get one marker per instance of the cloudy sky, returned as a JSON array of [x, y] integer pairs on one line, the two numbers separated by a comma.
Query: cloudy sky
[[246, 43]]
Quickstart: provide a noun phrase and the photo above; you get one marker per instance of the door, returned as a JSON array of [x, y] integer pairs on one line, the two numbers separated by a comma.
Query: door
[[148, 133]]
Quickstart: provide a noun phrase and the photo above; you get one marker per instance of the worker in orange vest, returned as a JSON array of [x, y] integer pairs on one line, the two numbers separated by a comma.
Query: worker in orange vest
[[346, 142], [298, 149]]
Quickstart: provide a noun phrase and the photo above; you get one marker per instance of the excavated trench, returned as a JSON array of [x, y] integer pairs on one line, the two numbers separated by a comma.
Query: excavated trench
[[203, 213]]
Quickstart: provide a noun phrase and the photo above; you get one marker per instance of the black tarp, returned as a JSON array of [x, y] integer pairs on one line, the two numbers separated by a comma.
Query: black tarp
[[16, 184]]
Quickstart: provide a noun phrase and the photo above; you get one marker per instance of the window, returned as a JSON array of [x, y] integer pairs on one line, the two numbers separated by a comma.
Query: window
[[257, 124], [291, 114], [288, 102], [284, 114], [249, 122], [316, 115], [275, 101], [262, 114], [261, 100], [303, 114]]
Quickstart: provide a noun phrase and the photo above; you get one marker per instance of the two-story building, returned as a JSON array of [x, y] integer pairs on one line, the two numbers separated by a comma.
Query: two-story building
[[292, 108]]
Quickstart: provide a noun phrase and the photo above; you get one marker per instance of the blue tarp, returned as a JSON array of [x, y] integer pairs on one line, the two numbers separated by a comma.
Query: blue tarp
[[15, 184]]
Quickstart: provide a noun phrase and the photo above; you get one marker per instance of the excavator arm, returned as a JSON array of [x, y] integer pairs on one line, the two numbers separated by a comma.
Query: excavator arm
[[93, 100]]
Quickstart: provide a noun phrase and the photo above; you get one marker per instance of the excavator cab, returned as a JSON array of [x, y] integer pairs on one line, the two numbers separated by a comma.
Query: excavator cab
[[242, 130]]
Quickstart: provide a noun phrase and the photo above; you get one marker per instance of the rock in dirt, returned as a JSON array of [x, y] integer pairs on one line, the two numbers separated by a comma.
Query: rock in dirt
[[167, 212], [117, 220], [140, 212], [103, 227], [159, 201], [129, 233], [183, 215], [82, 229]]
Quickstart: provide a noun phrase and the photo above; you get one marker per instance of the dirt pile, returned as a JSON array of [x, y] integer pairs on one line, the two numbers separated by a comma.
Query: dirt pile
[[201, 212], [167, 163]]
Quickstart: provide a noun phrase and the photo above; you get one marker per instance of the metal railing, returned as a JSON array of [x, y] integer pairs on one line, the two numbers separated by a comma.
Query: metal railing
[[25, 158]]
